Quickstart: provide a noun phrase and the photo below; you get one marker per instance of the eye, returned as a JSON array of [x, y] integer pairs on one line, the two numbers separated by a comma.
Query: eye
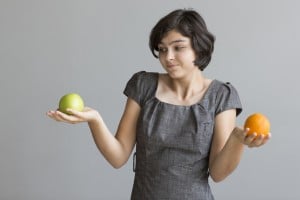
[[179, 48], [162, 49]]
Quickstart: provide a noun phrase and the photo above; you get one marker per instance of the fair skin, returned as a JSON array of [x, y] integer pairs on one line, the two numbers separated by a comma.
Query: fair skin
[[183, 84]]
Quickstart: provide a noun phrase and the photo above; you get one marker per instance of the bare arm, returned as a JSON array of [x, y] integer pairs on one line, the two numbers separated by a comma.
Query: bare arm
[[116, 149], [228, 145]]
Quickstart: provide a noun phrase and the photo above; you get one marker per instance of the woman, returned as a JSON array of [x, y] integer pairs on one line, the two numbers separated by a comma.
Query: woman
[[182, 123]]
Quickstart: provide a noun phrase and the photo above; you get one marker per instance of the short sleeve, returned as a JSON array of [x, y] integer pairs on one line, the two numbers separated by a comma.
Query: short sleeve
[[228, 98], [134, 87]]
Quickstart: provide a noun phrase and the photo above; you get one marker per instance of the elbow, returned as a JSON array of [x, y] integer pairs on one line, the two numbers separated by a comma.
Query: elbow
[[117, 164], [217, 178], [219, 174], [115, 161]]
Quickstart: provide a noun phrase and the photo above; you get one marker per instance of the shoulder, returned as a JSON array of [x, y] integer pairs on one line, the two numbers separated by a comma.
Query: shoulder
[[223, 87], [141, 86], [143, 80], [143, 76], [226, 96]]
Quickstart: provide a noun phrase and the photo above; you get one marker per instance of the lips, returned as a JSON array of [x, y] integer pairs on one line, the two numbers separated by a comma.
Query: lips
[[171, 65]]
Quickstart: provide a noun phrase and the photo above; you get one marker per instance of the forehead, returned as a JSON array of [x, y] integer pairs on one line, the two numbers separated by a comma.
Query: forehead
[[174, 37]]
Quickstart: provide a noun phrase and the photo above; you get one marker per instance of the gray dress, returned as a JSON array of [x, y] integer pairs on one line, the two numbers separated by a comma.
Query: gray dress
[[173, 141]]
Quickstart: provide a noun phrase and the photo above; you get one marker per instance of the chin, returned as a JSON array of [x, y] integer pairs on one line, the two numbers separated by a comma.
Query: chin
[[175, 74]]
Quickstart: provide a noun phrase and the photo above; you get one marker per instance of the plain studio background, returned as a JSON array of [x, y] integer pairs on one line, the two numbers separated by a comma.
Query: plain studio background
[[49, 48]]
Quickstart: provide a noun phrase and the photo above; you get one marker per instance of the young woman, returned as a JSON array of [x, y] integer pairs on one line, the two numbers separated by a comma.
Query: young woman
[[182, 123]]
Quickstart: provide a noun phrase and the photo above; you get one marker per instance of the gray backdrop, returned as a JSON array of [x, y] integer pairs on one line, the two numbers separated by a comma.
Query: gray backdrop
[[49, 48]]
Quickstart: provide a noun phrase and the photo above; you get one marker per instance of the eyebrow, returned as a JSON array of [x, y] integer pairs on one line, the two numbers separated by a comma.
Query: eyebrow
[[175, 41]]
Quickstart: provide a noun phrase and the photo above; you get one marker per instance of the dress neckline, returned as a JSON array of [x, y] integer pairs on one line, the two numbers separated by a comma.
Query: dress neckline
[[179, 105]]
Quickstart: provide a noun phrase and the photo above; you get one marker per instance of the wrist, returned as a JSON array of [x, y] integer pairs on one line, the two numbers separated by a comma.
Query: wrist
[[237, 135], [95, 119]]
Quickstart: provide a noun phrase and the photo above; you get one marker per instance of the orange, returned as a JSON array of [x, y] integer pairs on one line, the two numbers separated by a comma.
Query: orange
[[257, 123]]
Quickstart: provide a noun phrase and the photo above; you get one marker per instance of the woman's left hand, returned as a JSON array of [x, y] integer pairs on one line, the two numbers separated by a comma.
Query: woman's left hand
[[251, 140]]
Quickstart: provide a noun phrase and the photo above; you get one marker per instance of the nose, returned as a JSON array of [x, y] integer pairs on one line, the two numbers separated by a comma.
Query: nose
[[170, 55]]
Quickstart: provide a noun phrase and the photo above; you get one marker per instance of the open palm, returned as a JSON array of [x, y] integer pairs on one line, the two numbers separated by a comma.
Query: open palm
[[87, 115]]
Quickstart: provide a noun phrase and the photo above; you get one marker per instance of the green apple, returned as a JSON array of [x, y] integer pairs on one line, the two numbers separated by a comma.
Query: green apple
[[72, 100]]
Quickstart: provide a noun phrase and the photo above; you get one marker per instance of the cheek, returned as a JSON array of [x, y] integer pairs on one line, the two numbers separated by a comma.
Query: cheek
[[162, 61], [189, 58]]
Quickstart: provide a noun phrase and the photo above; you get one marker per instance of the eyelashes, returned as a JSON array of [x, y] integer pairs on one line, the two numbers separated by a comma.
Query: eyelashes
[[161, 49], [176, 49]]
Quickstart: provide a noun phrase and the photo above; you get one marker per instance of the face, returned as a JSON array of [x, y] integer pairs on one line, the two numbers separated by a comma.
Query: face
[[177, 55]]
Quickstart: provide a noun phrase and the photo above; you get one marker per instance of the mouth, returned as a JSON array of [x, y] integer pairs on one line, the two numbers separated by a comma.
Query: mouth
[[171, 66]]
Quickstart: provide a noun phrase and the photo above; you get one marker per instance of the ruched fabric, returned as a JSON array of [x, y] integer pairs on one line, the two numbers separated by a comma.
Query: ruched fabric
[[173, 141]]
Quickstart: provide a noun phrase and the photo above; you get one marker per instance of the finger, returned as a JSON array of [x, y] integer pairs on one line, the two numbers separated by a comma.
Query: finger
[[68, 118], [76, 116], [265, 139], [239, 133], [50, 113], [74, 112], [53, 115], [246, 130], [261, 144], [250, 138], [257, 141], [261, 140], [60, 116], [243, 134]]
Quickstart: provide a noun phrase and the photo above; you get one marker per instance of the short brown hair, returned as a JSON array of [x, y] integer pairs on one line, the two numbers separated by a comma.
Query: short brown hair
[[190, 24]]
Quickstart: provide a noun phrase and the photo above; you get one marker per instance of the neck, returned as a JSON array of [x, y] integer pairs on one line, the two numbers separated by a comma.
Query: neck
[[188, 86]]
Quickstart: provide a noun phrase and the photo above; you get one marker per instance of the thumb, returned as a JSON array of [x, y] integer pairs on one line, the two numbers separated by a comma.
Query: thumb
[[74, 112]]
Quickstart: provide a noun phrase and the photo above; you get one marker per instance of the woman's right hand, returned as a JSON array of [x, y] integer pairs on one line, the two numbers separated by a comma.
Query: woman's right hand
[[116, 148], [87, 115]]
